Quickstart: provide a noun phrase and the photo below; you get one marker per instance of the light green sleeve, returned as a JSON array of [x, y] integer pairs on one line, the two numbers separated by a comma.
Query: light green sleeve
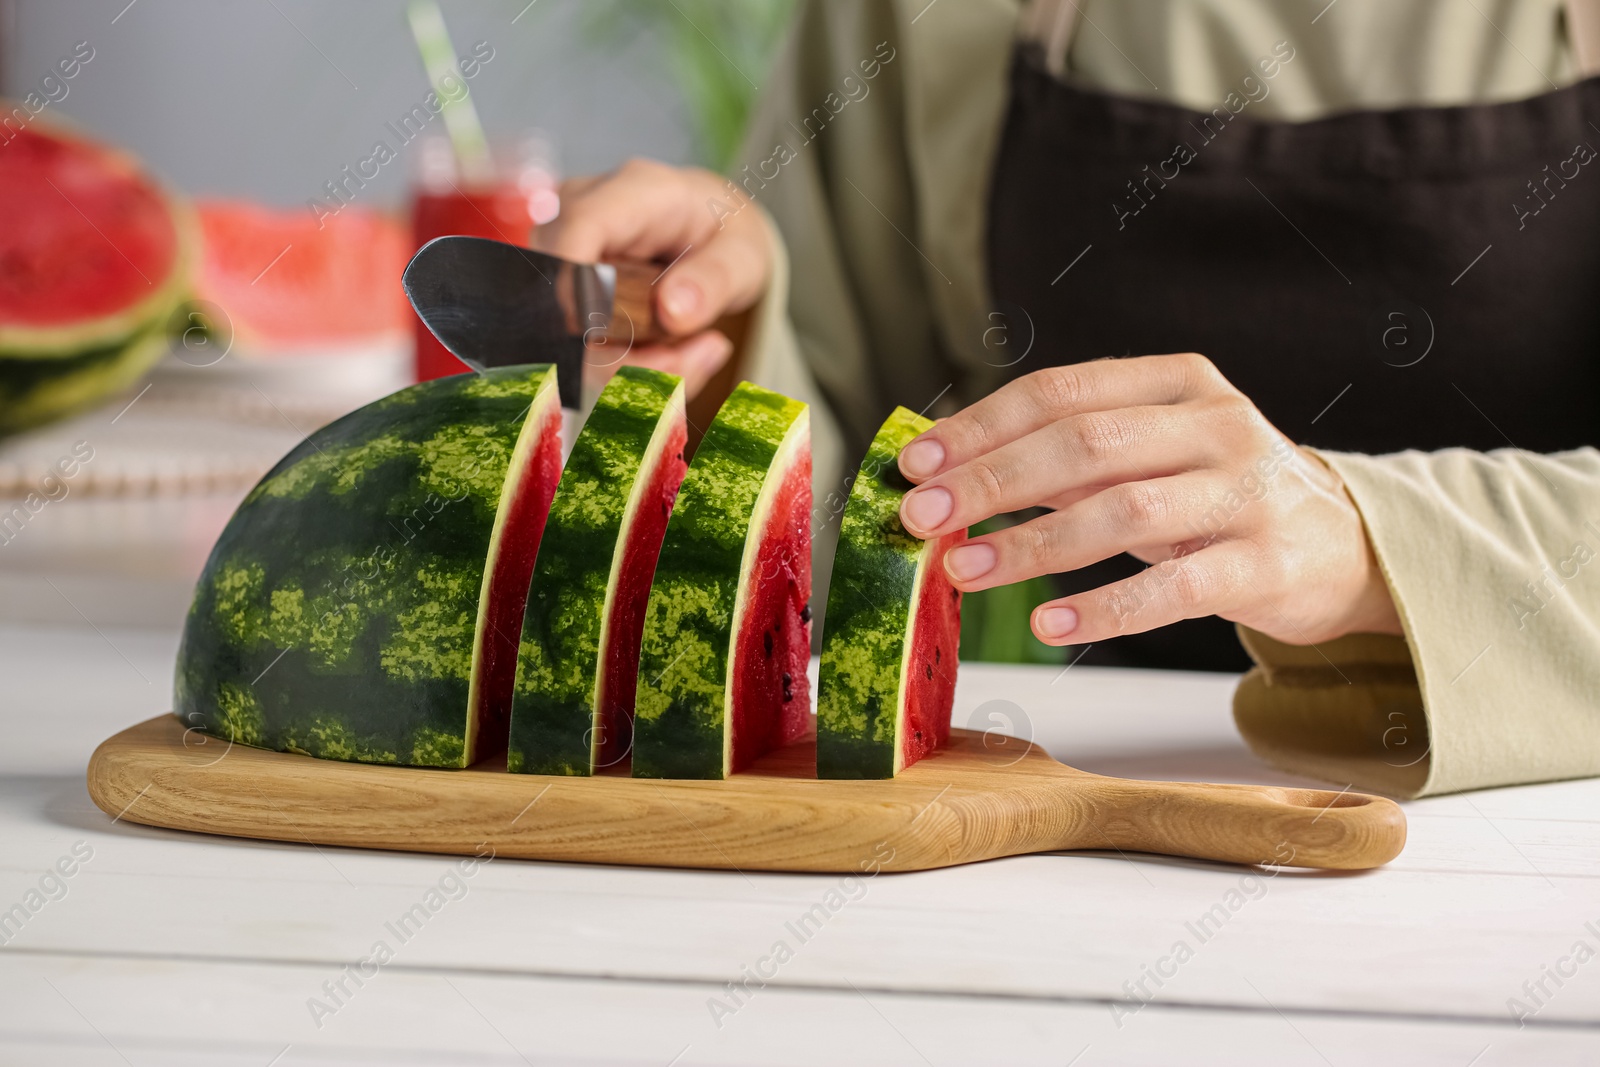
[[877, 184], [1493, 560]]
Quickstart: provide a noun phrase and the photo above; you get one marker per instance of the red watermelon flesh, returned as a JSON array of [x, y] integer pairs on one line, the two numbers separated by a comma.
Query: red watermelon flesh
[[626, 630], [288, 280], [505, 584], [930, 668], [90, 245], [771, 692]]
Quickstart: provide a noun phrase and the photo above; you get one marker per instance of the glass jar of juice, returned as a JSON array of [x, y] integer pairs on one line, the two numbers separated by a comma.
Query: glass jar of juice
[[520, 196]]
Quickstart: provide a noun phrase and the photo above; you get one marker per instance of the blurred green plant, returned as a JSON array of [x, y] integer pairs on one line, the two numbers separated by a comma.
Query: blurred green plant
[[717, 52]]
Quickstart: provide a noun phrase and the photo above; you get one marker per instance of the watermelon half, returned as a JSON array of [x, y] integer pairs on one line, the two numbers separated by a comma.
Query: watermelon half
[[94, 258], [364, 601], [727, 635], [579, 658], [888, 672]]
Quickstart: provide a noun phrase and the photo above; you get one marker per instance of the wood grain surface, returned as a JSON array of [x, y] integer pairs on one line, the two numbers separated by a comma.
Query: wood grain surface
[[985, 796]]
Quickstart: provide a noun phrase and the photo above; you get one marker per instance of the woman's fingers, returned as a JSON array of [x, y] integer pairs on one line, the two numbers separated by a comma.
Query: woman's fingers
[[725, 273], [716, 261], [1097, 449], [1159, 514], [641, 210], [694, 359], [1029, 403], [1208, 582]]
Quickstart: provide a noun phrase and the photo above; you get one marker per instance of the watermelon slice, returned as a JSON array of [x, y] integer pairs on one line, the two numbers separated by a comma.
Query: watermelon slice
[[291, 282], [888, 671], [722, 670], [579, 660], [36, 390], [364, 601], [94, 256]]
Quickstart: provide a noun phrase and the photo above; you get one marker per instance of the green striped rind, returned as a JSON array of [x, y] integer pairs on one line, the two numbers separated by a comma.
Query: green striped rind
[[559, 662], [870, 600], [34, 391], [680, 716], [337, 614]]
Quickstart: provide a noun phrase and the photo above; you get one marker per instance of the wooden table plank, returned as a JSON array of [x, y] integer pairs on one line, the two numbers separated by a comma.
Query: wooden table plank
[[1392, 942], [70, 1010], [1493, 887]]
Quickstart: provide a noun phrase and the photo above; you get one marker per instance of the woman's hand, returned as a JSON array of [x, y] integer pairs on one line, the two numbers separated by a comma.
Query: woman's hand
[[1161, 457], [715, 240]]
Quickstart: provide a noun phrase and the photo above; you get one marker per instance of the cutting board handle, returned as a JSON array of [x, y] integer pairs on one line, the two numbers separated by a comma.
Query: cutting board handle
[[1243, 823]]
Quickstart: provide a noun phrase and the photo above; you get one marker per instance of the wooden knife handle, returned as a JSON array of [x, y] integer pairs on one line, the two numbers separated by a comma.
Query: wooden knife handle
[[1240, 823], [633, 309]]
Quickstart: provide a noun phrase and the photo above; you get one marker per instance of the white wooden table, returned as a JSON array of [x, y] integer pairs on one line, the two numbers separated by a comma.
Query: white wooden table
[[167, 948]]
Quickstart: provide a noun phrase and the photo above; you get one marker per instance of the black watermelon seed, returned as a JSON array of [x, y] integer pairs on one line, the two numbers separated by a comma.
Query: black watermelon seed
[[766, 642], [805, 612], [917, 735], [788, 679], [938, 655]]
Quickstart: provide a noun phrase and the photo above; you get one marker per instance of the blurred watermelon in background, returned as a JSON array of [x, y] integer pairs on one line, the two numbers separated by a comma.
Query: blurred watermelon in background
[[100, 268], [95, 258], [291, 283]]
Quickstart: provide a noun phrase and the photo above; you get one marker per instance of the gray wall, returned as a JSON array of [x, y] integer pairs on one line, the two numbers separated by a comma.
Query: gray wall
[[270, 98]]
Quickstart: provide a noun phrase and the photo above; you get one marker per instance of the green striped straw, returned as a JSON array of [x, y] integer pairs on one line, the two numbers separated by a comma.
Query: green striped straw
[[460, 116]]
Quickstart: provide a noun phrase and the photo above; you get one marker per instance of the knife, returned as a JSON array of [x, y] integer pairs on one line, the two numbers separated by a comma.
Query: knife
[[494, 304]]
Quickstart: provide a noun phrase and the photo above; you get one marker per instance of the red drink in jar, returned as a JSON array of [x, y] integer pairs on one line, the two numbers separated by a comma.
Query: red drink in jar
[[521, 195]]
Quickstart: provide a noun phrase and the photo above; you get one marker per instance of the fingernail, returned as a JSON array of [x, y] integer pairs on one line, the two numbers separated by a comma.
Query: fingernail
[[681, 300], [925, 509], [704, 360], [967, 562], [1055, 622], [922, 458], [716, 350]]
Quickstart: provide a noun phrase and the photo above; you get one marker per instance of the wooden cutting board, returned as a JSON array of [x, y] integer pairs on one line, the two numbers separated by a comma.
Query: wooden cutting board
[[986, 795]]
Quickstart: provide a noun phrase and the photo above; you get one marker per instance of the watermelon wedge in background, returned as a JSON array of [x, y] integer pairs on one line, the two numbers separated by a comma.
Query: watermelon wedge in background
[[95, 256], [579, 659], [888, 673], [291, 282], [722, 669], [364, 601]]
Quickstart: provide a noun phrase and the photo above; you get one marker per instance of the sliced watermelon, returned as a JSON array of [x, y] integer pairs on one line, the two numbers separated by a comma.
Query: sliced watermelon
[[722, 670], [888, 671], [290, 281], [94, 256], [364, 601], [579, 657], [37, 390]]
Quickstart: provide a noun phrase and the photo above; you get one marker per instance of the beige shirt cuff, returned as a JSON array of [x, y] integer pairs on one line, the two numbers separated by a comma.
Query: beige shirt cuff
[[1488, 558]]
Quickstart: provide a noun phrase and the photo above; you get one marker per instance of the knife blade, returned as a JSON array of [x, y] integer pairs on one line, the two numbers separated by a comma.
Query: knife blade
[[493, 304]]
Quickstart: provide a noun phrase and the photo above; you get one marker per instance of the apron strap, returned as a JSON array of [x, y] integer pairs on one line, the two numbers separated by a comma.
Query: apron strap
[[1050, 23], [1583, 31]]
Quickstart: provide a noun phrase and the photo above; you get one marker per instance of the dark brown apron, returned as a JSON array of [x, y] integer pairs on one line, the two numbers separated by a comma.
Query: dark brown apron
[[1374, 281]]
